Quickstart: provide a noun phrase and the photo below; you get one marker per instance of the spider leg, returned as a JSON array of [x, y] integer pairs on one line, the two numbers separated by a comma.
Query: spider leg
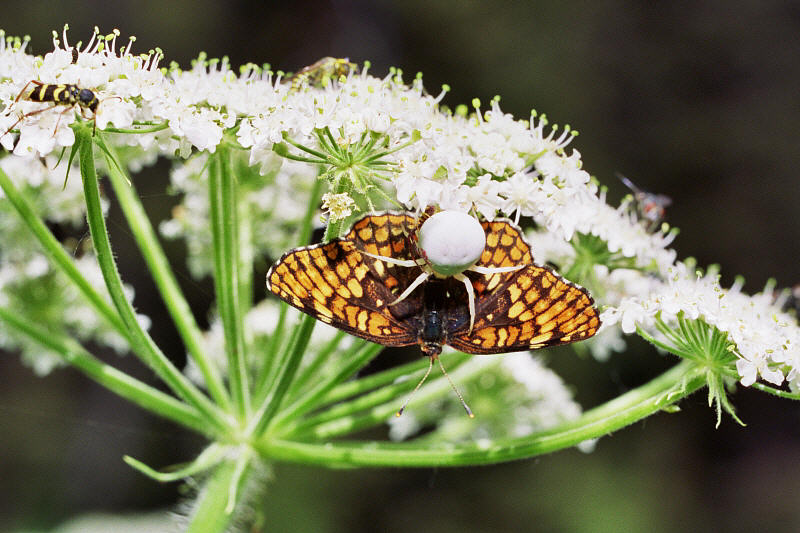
[[495, 270], [470, 297], [392, 260], [406, 263], [416, 283]]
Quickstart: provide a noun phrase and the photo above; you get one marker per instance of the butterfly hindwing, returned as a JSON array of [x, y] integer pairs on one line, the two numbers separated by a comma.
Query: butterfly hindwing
[[534, 308]]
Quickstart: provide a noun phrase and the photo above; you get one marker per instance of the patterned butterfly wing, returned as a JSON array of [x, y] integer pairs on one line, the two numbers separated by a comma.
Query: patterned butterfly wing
[[385, 234], [524, 309], [334, 283], [534, 309], [505, 247], [390, 235]]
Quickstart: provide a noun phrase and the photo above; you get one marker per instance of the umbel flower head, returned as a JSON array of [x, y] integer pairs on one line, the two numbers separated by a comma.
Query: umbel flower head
[[360, 142]]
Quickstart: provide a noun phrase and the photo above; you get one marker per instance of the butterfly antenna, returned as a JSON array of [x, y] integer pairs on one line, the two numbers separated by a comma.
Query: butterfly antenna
[[453, 385], [430, 365]]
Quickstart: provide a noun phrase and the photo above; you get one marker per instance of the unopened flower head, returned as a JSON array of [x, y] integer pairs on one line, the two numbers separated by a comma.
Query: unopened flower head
[[338, 205]]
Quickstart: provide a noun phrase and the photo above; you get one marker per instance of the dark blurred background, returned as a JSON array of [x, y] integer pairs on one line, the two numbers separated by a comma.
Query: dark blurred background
[[697, 100]]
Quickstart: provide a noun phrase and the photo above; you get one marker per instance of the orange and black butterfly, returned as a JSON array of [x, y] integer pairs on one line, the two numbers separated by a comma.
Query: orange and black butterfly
[[343, 284]]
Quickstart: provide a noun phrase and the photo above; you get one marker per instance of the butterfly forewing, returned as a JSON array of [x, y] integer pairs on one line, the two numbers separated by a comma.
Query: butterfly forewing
[[505, 245], [390, 235], [334, 283]]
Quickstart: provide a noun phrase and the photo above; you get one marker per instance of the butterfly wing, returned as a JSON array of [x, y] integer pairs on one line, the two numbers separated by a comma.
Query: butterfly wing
[[505, 247], [391, 235], [534, 308], [333, 282], [523, 309]]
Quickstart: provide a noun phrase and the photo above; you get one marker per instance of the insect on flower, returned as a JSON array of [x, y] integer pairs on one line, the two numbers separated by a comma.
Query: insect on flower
[[321, 72], [650, 207], [789, 299], [378, 283], [66, 94]]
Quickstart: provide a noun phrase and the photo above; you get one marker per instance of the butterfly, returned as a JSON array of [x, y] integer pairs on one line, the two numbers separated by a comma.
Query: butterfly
[[346, 284]]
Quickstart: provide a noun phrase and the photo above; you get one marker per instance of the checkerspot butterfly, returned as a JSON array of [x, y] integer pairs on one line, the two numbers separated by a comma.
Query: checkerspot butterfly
[[372, 283], [344, 284]]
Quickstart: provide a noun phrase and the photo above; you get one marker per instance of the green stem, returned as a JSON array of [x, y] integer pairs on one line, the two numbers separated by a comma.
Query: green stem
[[143, 344], [771, 390], [288, 360], [213, 510], [307, 226], [379, 379], [151, 129], [246, 254], [289, 363], [678, 382], [378, 414], [117, 382], [366, 402], [266, 372], [311, 370], [322, 157], [163, 276], [56, 253], [224, 229], [666, 347], [353, 362]]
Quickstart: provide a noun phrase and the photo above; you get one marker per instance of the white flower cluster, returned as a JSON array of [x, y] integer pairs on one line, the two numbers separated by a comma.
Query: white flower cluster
[[764, 337], [28, 283], [261, 322], [487, 161], [520, 384]]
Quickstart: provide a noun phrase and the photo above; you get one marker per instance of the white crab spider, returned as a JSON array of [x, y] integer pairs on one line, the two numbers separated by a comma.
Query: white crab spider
[[451, 242]]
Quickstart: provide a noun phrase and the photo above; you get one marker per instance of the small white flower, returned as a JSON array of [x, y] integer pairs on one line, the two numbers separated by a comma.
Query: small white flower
[[338, 206]]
